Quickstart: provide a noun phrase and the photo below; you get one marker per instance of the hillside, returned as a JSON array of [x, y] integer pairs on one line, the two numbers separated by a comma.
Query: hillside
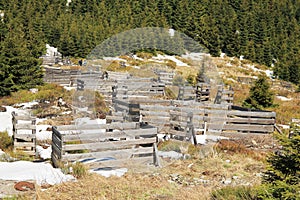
[[265, 32], [227, 163]]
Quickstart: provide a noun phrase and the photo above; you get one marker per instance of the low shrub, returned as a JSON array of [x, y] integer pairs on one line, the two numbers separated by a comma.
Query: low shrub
[[77, 169], [144, 55], [6, 141], [171, 64]]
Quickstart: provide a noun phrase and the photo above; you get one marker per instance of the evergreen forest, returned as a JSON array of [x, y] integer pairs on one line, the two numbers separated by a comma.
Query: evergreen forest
[[263, 31]]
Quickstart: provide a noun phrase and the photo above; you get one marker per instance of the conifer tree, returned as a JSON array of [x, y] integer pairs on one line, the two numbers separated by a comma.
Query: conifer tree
[[260, 94], [282, 178]]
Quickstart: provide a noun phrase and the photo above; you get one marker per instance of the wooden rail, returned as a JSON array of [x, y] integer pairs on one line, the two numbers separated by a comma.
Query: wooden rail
[[124, 142], [181, 118], [24, 133]]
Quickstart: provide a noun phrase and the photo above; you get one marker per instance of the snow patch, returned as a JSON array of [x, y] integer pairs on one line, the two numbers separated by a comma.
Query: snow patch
[[173, 58], [44, 153], [282, 98], [107, 171], [170, 154], [42, 173]]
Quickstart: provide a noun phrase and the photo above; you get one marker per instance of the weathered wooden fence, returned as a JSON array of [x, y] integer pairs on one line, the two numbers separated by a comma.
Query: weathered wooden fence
[[24, 133], [67, 76], [120, 142], [185, 119], [165, 77], [138, 87]]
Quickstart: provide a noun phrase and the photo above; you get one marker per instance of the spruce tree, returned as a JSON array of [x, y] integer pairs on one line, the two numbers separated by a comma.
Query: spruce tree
[[282, 178], [260, 94]]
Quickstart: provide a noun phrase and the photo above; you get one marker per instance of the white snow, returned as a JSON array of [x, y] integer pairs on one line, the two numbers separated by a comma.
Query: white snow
[[282, 98], [195, 56], [170, 154], [283, 126], [202, 139], [6, 118], [107, 172], [51, 51], [173, 58], [42, 173], [114, 58], [86, 121], [171, 32], [44, 153]]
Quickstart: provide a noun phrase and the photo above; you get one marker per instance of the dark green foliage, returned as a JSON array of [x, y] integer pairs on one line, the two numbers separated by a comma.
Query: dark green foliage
[[260, 94], [234, 193], [282, 178], [265, 32]]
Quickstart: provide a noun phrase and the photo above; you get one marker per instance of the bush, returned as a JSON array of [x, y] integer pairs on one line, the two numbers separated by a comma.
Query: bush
[[282, 178], [144, 55], [77, 169], [171, 64], [6, 141], [234, 193], [260, 94]]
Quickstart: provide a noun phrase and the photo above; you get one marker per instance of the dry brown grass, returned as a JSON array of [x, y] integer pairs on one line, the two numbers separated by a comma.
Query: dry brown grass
[[158, 184]]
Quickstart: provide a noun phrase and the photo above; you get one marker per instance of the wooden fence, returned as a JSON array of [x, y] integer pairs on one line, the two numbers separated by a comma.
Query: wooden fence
[[122, 143], [68, 77], [24, 133], [183, 118], [165, 77]]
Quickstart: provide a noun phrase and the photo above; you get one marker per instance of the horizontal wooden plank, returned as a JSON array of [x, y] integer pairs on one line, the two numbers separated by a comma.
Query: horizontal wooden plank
[[115, 125], [121, 153], [178, 133], [251, 120], [23, 117], [25, 127], [152, 113], [96, 137], [109, 144], [24, 144], [253, 128], [25, 136], [251, 114]]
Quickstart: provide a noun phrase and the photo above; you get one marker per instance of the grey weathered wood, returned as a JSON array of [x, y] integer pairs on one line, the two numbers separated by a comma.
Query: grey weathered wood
[[109, 145], [94, 137], [118, 153], [253, 128], [251, 114], [116, 125]]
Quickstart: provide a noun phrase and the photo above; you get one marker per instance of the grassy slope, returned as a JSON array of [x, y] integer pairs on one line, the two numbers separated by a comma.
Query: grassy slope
[[158, 184]]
